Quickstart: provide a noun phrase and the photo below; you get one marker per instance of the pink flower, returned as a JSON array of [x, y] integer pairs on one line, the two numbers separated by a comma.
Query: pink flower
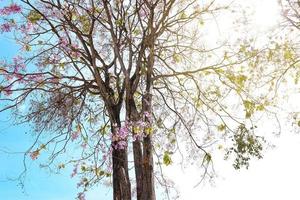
[[137, 137], [75, 135], [54, 80], [6, 27], [81, 196], [19, 76], [119, 138], [11, 9], [74, 172], [7, 90], [35, 77], [83, 145], [25, 28], [75, 54], [148, 116], [9, 77], [120, 145], [64, 42], [34, 154], [19, 64]]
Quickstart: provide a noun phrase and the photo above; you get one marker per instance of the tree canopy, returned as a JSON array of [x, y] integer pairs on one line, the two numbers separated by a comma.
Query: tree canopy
[[128, 85]]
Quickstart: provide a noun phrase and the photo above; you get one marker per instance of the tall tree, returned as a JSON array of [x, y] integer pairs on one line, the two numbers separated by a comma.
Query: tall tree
[[121, 78]]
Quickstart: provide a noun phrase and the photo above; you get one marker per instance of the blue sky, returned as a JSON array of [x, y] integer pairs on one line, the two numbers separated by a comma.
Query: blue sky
[[39, 184]]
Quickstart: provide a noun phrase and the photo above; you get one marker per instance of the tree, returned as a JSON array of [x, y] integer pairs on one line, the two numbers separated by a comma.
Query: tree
[[116, 77]]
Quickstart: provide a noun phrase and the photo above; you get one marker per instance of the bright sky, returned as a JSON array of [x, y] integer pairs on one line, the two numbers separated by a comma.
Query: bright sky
[[275, 177]]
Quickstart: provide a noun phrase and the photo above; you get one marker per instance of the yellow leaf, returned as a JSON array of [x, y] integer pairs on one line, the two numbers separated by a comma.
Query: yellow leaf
[[221, 127], [148, 130]]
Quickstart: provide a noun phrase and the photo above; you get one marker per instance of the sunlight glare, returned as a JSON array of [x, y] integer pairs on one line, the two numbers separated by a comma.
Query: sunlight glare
[[266, 13]]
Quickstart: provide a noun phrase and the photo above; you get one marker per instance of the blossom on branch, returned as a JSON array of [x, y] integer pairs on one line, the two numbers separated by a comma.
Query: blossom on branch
[[34, 155], [11, 9]]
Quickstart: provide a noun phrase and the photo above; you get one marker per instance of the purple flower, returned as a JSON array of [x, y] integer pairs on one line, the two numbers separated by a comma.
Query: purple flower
[[74, 172]]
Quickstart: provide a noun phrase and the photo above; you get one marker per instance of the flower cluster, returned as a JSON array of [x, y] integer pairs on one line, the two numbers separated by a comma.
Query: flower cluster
[[71, 49], [12, 74], [10, 25], [119, 138], [7, 27], [11, 9], [143, 127], [138, 129], [18, 64], [52, 12], [25, 28], [36, 77]]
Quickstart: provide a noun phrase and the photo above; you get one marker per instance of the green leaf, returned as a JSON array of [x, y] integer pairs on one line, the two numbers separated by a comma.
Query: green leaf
[[167, 159], [182, 15], [250, 107], [61, 166], [27, 47], [288, 55], [176, 58], [34, 16], [119, 22], [248, 114], [221, 127], [99, 172], [148, 130], [137, 31], [240, 80], [260, 107], [207, 158]]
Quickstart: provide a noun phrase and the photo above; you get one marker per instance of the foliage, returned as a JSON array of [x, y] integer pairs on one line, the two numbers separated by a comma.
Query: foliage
[[245, 146]]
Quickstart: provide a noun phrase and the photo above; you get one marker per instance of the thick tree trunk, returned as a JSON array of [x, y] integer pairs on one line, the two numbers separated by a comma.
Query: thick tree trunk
[[133, 115], [121, 182], [138, 166], [148, 169], [148, 177]]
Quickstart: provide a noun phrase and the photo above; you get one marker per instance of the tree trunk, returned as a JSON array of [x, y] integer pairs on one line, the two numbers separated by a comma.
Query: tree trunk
[[138, 166], [148, 182], [121, 182], [133, 115], [148, 170]]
